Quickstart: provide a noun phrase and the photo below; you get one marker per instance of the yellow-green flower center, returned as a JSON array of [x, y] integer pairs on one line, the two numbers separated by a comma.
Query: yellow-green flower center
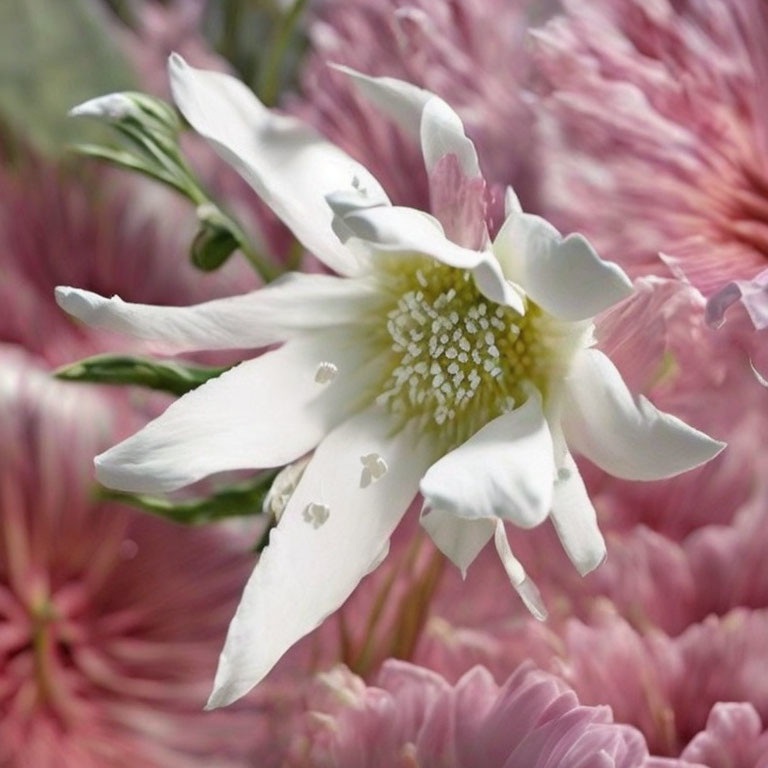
[[457, 360]]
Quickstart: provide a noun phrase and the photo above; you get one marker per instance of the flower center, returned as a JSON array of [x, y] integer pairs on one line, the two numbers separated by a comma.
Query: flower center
[[458, 360]]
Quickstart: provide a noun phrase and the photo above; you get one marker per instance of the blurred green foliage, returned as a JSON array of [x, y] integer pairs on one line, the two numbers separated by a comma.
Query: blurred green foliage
[[53, 55], [263, 40]]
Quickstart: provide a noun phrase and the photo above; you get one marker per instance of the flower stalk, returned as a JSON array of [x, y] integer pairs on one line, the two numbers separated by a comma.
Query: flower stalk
[[152, 129]]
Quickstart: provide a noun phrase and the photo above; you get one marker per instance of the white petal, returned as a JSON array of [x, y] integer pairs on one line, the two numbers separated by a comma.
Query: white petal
[[526, 588], [626, 436], [406, 231], [402, 102], [505, 470], [565, 277], [575, 519], [442, 133], [290, 166], [307, 572], [265, 412], [511, 202], [459, 539], [421, 114], [275, 313]]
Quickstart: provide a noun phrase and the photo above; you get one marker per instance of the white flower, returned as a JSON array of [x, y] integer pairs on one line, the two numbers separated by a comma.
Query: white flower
[[462, 372]]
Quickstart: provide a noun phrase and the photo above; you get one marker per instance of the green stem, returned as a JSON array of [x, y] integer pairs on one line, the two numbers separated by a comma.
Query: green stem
[[269, 80]]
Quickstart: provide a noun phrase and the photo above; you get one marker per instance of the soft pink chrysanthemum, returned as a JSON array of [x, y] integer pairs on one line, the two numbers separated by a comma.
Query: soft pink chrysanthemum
[[734, 738], [472, 54], [664, 349], [104, 230], [109, 620], [655, 123], [414, 717], [667, 686]]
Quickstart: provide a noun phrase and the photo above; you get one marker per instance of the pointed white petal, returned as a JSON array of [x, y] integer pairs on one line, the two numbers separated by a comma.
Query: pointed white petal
[[422, 115], [575, 519], [263, 413], [511, 202], [526, 588], [308, 571], [505, 470], [626, 436], [406, 231], [459, 539], [294, 303], [402, 102], [290, 166], [565, 277]]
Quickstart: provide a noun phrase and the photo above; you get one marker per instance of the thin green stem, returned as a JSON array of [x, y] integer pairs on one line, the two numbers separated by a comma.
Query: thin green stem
[[269, 78]]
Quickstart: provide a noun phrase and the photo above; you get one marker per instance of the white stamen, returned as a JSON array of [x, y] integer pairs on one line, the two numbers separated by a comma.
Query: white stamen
[[374, 468], [316, 514], [326, 372]]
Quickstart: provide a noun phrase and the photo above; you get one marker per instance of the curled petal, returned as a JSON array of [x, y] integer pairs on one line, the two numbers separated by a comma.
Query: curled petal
[[564, 276], [753, 294], [505, 470], [406, 231], [422, 115], [442, 133], [626, 436]]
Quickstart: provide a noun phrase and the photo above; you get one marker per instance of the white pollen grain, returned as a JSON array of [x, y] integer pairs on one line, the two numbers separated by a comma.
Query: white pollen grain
[[326, 372]]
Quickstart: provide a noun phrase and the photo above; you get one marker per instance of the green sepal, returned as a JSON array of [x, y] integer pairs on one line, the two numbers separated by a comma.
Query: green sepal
[[216, 240], [162, 375], [240, 500]]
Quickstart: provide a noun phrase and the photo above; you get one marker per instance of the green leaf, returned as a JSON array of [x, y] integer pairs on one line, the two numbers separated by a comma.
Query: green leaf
[[166, 376], [236, 501], [53, 55]]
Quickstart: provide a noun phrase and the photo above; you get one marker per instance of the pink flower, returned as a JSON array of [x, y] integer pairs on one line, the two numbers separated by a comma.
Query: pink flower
[[413, 717], [666, 686], [472, 54], [654, 129], [102, 228], [665, 350], [734, 738], [109, 620]]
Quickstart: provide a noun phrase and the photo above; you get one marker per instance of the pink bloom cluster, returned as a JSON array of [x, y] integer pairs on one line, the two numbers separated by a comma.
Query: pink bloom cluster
[[105, 649], [110, 620], [413, 717], [655, 124]]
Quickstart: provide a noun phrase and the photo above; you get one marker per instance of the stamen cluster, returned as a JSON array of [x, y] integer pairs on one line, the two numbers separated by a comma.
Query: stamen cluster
[[458, 359]]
